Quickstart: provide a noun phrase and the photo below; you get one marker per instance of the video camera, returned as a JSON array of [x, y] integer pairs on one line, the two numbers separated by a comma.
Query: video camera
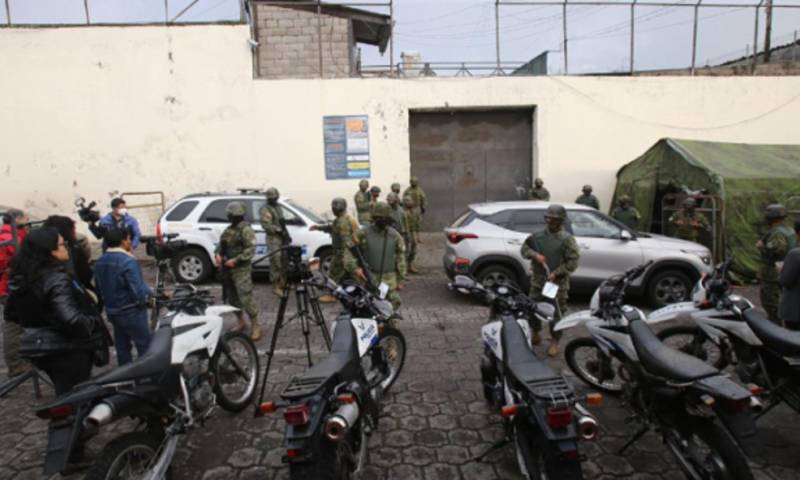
[[165, 248], [296, 269], [86, 212]]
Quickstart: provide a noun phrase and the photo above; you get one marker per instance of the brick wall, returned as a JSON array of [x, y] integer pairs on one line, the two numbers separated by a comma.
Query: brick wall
[[289, 45]]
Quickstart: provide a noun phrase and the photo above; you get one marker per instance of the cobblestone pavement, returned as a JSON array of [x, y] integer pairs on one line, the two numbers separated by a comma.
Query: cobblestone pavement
[[435, 419]]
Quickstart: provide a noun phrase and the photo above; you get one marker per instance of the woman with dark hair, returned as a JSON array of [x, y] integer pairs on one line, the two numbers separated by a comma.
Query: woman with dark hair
[[64, 332], [78, 258]]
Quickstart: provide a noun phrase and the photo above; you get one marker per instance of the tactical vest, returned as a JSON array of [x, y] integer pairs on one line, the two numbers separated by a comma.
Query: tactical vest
[[342, 227], [551, 245], [381, 248], [397, 217], [365, 197], [232, 242], [791, 242]]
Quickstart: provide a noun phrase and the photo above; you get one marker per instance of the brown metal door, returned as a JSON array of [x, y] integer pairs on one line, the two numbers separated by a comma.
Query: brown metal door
[[463, 157]]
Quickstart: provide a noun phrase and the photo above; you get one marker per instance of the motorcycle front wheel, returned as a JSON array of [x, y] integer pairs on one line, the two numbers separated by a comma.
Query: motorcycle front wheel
[[235, 368], [706, 451], [393, 343], [594, 367], [126, 458]]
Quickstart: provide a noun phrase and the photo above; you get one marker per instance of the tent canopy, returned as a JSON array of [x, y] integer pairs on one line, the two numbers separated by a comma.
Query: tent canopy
[[743, 177]]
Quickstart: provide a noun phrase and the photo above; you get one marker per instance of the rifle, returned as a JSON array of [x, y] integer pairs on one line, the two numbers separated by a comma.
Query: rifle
[[286, 239], [362, 263], [224, 276]]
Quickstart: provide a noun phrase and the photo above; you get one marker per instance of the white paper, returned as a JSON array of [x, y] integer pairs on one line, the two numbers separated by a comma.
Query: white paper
[[550, 290], [383, 290]]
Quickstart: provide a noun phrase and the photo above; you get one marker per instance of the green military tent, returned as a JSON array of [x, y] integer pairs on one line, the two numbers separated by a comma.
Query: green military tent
[[740, 179]]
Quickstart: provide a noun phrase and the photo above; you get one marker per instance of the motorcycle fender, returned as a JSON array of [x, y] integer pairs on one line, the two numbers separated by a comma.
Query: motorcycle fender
[[491, 338], [740, 425], [220, 310], [671, 312], [738, 328], [193, 333], [574, 319], [366, 332], [526, 330], [713, 334], [61, 438]]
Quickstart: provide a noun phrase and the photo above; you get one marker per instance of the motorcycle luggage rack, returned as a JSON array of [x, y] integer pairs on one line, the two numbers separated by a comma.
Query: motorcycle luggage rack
[[300, 386], [555, 390]]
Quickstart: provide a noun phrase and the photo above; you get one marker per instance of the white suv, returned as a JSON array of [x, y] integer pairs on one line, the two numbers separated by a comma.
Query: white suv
[[486, 240], [200, 220]]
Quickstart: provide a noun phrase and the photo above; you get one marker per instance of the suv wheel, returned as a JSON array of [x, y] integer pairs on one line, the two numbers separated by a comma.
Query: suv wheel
[[668, 286], [325, 258], [192, 266], [494, 274]]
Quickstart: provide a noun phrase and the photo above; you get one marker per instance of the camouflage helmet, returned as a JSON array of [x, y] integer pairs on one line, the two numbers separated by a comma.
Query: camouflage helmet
[[538, 182], [381, 210], [375, 190], [689, 203], [338, 205], [625, 199], [236, 209], [396, 187], [775, 211], [414, 181], [587, 188], [273, 193], [363, 184], [392, 198], [408, 201], [556, 211]]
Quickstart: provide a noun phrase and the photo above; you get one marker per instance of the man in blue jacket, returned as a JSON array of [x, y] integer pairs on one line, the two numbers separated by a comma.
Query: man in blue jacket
[[125, 295], [118, 217]]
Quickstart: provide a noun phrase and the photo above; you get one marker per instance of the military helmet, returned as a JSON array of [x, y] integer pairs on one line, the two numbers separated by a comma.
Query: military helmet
[[556, 211], [363, 184], [414, 181], [375, 190], [236, 209], [396, 187], [392, 198], [587, 189], [381, 210], [689, 203], [273, 192], [538, 182], [625, 199], [338, 205], [775, 211]]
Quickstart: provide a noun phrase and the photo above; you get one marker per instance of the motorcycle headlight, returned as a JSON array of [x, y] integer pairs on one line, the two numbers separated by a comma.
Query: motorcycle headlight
[[703, 255], [384, 307]]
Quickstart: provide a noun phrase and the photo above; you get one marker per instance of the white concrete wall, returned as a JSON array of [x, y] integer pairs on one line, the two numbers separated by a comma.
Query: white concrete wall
[[88, 111]]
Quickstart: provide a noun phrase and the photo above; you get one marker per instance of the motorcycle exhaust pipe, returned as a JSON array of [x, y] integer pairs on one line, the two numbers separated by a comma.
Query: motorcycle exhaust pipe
[[100, 415], [587, 427], [756, 405], [338, 424]]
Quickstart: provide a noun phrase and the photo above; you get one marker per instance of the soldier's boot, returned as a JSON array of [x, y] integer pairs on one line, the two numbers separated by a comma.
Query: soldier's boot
[[537, 338], [241, 324], [327, 298], [554, 349], [255, 329], [412, 269]]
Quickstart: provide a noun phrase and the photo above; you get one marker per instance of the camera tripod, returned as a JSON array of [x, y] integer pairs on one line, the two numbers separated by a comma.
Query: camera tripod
[[32, 374], [308, 313]]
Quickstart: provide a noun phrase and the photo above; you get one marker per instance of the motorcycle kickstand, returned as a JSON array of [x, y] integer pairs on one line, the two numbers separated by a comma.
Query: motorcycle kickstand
[[496, 446], [634, 439]]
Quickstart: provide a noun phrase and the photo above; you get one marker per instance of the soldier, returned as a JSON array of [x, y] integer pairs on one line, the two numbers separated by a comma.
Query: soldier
[[362, 200], [687, 223], [773, 246], [384, 252], [234, 256], [399, 220], [626, 213], [538, 192], [396, 189], [343, 233], [588, 199], [554, 254], [413, 223], [272, 222], [420, 200]]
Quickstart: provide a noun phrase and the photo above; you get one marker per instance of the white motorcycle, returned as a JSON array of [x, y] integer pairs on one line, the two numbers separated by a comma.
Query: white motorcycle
[[190, 366]]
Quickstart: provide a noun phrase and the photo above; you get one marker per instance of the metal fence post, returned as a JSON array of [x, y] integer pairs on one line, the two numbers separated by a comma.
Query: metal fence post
[[86, 11], [566, 60], [755, 40], [166, 12], [391, 38], [633, 26], [8, 14], [694, 36], [497, 32], [319, 36]]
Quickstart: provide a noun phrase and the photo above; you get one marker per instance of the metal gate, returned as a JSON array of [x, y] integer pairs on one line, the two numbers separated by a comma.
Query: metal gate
[[712, 207], [463, 157]]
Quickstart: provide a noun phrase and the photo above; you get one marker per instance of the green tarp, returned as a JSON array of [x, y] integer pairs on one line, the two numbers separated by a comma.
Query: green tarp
[[744, 177]]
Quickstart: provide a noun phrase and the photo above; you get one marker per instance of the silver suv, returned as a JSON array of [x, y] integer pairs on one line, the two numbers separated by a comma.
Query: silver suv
[[485, 241]]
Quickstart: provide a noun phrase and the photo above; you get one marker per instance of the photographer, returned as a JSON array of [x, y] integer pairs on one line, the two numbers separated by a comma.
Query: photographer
[[12, 234], [79, 254], [118, 217], [120, 284]]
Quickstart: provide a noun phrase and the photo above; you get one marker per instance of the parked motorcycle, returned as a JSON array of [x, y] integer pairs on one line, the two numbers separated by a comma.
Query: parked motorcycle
[[190, 366], [334, 406], [701, 415], [729, 331], [540, 413]]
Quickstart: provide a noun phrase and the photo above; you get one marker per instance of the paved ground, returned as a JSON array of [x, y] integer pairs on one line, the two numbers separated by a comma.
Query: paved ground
[[435, 420]]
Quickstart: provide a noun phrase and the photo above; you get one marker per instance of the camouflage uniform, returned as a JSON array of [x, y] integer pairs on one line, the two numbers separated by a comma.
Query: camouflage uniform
[[396, 189], [238, 242], [627, 214], [413, 222], [271, 217], [589, 200], [561, 253], [687, 225], [363, 200], [538, 192], [385, 254], [343, 232], [417, 195], [773, 247]]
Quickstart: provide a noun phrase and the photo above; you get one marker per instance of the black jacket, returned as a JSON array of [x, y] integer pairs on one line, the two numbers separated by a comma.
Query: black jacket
[[56, 313], [790, 281]]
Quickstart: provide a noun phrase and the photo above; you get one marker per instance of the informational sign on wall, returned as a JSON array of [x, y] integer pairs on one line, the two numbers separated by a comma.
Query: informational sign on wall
[[346, 147]]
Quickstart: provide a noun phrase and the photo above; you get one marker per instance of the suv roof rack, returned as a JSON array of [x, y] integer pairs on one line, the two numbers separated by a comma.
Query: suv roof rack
[[249, 191]]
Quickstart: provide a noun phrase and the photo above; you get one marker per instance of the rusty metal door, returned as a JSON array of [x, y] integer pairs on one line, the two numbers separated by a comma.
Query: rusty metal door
[[463, 157]]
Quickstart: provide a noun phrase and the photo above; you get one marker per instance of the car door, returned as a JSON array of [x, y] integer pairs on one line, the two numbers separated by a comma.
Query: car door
[[604, 251]]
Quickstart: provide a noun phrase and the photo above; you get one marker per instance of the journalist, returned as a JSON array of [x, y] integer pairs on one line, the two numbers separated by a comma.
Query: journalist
[[79, 251], [63, 330], [123, 291], [12, 234], [119, 217]]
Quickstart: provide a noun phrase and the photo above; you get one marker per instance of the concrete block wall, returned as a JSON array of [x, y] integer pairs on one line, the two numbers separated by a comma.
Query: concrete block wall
[[289, 44]]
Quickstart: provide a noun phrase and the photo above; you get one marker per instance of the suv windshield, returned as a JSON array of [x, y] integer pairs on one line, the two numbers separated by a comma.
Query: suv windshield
[[592, 224], [308, 213]]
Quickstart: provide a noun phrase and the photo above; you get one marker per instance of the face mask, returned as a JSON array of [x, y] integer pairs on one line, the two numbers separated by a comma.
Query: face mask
[[553, 224], [235, 219], [122, 212], [381, 223], [272, 201]]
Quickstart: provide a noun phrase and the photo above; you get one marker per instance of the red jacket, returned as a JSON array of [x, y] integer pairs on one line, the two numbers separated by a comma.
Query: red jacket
[[6, 253]]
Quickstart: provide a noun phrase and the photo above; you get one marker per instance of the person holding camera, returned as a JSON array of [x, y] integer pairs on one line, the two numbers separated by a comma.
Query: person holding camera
[[125, 295], [64, 334], [234, 257], [12, 234], [118, 217], [274, 226]]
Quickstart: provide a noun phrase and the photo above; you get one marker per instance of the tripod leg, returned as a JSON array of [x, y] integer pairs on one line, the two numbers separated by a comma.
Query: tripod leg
[[302, 312], [319, 319], [271, 352], [15, 382]]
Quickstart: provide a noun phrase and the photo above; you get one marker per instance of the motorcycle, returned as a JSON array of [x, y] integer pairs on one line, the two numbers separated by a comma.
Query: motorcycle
[[729, 331], [702, 416], [190, 366], [540, 413], [333, 407]]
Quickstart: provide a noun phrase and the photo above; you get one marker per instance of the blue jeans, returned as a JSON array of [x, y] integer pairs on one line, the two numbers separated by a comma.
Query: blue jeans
[[130, 327]]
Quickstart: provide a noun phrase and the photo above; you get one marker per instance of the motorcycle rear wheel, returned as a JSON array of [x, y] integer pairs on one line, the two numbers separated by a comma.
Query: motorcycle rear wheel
[[712, 453], [235, 389], [125, 458], [591, 365], [329, 462]]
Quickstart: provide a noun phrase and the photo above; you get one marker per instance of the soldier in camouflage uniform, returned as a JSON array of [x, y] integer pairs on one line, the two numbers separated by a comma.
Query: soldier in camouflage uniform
[[399, 220], [555, 251], [588, 198], [412, 223], [538, 192], [271, 217], [396, 189], [384, 252], [374, 197], [773, 246], [627, 214], [362, 200], [687, 223], [234, 256], [343, 234], [420, 200]]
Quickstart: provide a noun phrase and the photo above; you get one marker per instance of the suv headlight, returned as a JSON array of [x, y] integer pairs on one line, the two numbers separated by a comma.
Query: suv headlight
[[703, 255]]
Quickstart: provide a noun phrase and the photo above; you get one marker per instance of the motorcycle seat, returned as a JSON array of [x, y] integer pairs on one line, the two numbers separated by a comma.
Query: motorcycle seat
[[155, 361], [780, 340], [343, 355], [663, 361], [523, 364]]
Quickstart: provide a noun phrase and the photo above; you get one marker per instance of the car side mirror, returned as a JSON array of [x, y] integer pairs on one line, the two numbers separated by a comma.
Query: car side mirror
[[625, 236], [295, 222]]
